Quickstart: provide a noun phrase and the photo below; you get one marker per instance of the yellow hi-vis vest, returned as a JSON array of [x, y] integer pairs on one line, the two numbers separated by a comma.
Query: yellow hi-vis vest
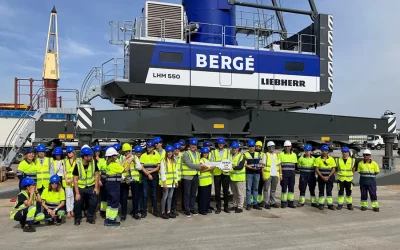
[[179, 166], [186, 171], [256, 156], [85, 179], [134, 173], [345, 170], [217, 158], [53, 199], [43, 172], [205, 178], [170, 173], [114, 172], [237, 175], [69, 168], [22, 206], [306, 165], [267, 168], [163, 153], [26, 169]]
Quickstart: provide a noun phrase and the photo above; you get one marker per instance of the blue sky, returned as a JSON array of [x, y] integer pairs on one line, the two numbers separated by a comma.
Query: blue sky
[[365, 46]]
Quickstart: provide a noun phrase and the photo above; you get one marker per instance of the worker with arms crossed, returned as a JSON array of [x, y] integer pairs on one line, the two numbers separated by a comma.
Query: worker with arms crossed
[[272, 174], [325, 168], [238, 177], [252, 163], [288, 164], [345, 170], [307, 177], [86, 185], [368, 169], [53, 201], [44, 171], [27, 167], [158, 143]]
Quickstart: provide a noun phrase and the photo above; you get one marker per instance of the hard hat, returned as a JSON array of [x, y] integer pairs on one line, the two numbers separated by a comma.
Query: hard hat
[[206, 144], [150, 143], [169, 148], [345, 150], [251, 143], [270, 144], [193, 141], [287, 144], [54, 179], [111, 152], [205, 150], [29, 150], [117, 146], [235, 144], [69, 149], [177, 145], [157, 139], [85, 146], [307, 147], [27, 182], [126, 147], [138, 149], [221, 141], [324, 148], [105, 149], [57, 151], [40, 148], [182, 142], [97, 148], [86, 151], [367, 152], [259, 143]]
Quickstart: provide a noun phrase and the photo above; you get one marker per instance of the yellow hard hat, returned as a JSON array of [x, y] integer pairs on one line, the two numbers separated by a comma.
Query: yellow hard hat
[[259, 143], [126, 147]]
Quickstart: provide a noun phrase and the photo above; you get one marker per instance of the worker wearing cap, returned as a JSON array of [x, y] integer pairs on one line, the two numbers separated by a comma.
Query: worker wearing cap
[[288, 162], [368, 169], [190, 176], [271, 176], [86, 185], [150, 161], [238, 177], [221, 178], [325, 168], [307, 177], [258, 149], [44, 171], [253, 169], [158, 143], [345, 170], [27, 167], [69, 163], [178, 160]]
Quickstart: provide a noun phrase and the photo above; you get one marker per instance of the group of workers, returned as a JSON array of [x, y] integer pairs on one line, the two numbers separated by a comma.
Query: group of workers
[[70, 185]]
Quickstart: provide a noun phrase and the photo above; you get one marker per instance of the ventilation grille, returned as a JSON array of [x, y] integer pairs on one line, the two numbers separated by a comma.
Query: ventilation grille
[[164, 20]]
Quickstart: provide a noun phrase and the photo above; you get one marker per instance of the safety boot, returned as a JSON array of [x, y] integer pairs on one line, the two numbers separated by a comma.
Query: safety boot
[[267, 206], [257, 207], [321, 207], [363, 209], [112, 223], [103, 214], [248, 208], [218, 211], [349, 206], [376, 209], [233, 208], [226, 209], [275, 205], [291, 205], [300, 205], [90, 220], [283, 205], [314, 205], [339, 207], [29, 229], [331, 207], [239, 210]]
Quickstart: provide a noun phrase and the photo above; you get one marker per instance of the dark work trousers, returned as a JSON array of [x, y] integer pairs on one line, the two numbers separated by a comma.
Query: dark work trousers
[[88, 194], [135, 190], [190, 190], [113, 196], [223, 180], [260, 185], [124, 193], [38, 204], [371, 189], [204, 198], [307, 179], [174, 205], [325, 185], [182, 187], [140, 199], [345, 185], [287, 185], [154, 185]]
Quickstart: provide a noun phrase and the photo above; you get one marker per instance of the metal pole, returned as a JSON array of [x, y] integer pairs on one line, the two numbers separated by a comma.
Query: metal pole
[[30, 91], [261, 6], [15, 92]]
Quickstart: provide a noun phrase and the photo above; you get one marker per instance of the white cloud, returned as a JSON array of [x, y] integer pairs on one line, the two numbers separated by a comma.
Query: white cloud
[[73, 48]]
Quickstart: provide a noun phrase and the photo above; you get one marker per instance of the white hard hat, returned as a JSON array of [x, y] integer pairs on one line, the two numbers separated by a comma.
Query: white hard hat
[[287, 144], [85, 146], [366, 152], [270, 144], [111, 151]]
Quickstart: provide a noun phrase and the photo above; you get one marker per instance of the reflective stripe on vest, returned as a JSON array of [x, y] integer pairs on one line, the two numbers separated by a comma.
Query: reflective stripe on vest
[[205, 178], [69, 169], [256, 156], [345, 170], [43, 172], [186, 171], [306, 165], [170, 173], [237, 175], [217, 158], [267, 169], [134, 173], [86, 179]]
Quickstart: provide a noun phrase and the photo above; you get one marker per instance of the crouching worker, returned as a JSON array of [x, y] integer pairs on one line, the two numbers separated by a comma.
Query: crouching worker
[[113, 185], [53, 201], [24, 209]]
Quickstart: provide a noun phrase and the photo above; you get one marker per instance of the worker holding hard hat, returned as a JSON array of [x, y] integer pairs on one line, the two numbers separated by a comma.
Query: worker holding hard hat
[[27, 167], [69, 163], [288, 162], [253, 168], [53, 201], [238, 177], [271, 176], [345, 170], [307, 177], [325, 168], [368, 169]]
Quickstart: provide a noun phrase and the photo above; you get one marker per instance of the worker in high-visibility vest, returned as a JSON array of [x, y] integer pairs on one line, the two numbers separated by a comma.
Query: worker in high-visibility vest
[[135, 182], [221, 178], [254, 164], [125, 179], [307, 177], [27, 167], [260, 201], [158, 143], [288, 164], [183, 145], [205, 183], [272, 174], [168, 181], [178, 160], [325, 167], [345, 170], [118, 147], [368, 169], [58, 167], [238, 177], [44, 171], [53, 201], [69, 163], [101, 164]]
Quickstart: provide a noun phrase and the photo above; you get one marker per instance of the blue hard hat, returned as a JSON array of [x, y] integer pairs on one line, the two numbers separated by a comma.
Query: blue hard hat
[[86, 151], [177, 145], [307, 147], [54, 179], [27, 182], [97, 148], [57, 151], [138, 149], [206, 144], [193, 141], [169, 148], [205, 150], [69, 149], [324, 148], [345, 150], [40, 148], [235, 144], [29, 150], [221, 141], [157, 139], [251, 143], [117, 146], [182, 142], [150, 143]]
